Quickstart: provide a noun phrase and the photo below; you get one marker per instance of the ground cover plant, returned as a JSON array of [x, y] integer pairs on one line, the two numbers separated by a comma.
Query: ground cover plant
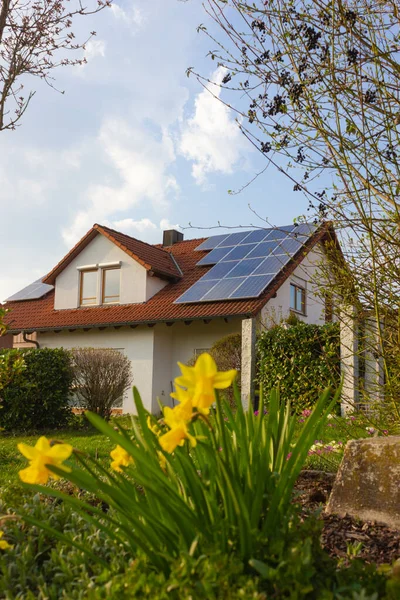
[[183, 494]]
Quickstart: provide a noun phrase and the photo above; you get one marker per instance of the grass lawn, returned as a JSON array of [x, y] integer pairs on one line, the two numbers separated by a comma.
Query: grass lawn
[[11, 460]]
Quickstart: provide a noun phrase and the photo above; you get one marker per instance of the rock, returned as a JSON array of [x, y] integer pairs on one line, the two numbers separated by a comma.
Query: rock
[[367, 485]]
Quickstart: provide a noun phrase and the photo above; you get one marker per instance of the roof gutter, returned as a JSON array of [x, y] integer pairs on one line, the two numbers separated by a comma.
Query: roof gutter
[[130, 323]]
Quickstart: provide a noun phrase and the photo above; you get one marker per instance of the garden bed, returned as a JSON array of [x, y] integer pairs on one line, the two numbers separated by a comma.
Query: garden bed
[[376, 542]]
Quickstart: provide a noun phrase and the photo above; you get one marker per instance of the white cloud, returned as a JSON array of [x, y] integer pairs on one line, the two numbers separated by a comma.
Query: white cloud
[[145, 228], [133, 17], [141, 163], [166, 224], [95, 48], [211, 138], [130, 225]]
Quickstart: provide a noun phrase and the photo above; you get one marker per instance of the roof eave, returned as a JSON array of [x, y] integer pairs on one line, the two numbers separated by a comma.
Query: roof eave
[[187, 319]]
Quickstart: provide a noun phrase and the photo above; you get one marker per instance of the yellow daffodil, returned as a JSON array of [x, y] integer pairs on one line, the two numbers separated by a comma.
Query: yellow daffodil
[[201, 380], [177, 419], [181, 395], [41, 455], [3, 544], [153, 426], [121, 458], [181, 413]]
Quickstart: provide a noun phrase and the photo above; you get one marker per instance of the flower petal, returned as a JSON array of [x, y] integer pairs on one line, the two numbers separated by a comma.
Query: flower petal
[[205, 366], [224, 379], [185, 382], [34, 474], [187, 372], [43, 445], [60, 452], [169, 441], [28, 451]]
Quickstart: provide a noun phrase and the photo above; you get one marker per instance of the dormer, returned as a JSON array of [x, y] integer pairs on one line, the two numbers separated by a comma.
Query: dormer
[[109, 268]]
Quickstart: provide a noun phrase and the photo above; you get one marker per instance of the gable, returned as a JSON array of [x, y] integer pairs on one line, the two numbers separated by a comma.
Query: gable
[[99, 252], [154, 259]]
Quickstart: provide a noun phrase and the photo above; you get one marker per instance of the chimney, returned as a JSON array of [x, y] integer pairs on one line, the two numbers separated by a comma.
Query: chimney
[[171, 237]]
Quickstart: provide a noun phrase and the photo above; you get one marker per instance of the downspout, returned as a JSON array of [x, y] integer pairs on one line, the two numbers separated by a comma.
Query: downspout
[[24, 334]]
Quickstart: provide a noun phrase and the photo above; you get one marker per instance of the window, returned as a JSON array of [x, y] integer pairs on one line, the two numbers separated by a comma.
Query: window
[[88, 287], [297, 298], [110, 289]]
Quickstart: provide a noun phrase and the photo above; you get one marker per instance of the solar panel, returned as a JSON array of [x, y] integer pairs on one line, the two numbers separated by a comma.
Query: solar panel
[[245, 267], [212, 242], [285, 228], [33, 291], [239, 252], [304, 229], [198, 290], [252, 286], [276, 234], [215, 256], [235, 238], [291, 245], [270, 265], [263, 249], [245, 262], [219, 271], [223, 289], [257, 236]]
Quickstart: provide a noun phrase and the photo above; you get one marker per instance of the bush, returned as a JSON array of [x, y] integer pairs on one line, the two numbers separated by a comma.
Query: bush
[[302, 359], [37, 397], [101, 376]]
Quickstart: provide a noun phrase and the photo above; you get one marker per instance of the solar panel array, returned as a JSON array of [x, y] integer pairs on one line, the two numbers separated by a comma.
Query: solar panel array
[[33, 291], [245, 263]]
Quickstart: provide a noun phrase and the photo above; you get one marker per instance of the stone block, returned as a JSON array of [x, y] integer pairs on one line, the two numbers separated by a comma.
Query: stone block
[[367, 485]]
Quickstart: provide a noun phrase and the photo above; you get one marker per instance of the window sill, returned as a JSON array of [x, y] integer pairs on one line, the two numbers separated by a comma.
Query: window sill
[[298, 312]]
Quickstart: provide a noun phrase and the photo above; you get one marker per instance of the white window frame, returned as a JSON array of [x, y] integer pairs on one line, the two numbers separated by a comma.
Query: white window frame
[[295, 309]]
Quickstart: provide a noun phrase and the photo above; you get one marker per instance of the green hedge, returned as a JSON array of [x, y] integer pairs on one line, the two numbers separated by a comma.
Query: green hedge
[[37, 397], [302, 359]]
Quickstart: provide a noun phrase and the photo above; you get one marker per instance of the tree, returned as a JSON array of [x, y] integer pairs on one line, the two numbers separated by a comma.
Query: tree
[[101, 376], [36, 37], [318, 86]]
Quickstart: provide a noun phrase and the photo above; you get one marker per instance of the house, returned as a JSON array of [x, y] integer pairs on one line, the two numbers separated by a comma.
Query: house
[[163, 303]]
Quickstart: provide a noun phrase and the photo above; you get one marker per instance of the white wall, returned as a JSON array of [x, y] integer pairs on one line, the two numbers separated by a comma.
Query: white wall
[[154, 285], [136, 285], [162, 372], [136, 343], [187, 338], [153, 351], [305, 275]]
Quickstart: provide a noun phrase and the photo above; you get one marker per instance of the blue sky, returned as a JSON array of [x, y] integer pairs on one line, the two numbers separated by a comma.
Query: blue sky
[[132, 143]]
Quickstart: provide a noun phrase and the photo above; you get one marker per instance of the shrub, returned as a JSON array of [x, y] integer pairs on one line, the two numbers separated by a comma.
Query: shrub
[[302, 359], [37, 397], [101, 376]]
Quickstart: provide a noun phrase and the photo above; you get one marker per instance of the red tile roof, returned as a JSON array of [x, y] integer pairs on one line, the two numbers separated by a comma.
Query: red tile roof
[[152, 258], [37, 315]]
